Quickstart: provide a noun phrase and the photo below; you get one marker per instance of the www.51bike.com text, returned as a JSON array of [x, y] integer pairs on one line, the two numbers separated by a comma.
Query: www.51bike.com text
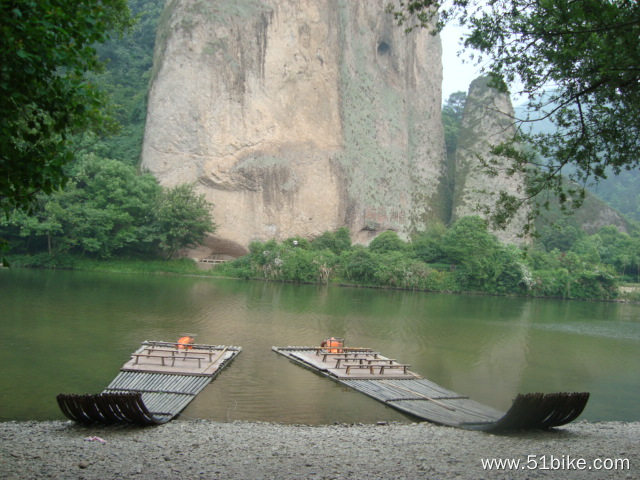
[[555, 462]]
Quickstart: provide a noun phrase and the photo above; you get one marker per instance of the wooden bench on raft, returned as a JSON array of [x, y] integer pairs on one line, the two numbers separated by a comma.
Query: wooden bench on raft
[[163, 357], [348, 354], [173, 354], [364, 361], [184, 352], [342, 350], [382, 367]]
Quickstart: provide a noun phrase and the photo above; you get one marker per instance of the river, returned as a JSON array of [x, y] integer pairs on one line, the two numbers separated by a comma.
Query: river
[[69, 332]]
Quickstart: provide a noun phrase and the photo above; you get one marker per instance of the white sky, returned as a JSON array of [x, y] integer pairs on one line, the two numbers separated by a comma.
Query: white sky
[[459, 70], [456, 75]]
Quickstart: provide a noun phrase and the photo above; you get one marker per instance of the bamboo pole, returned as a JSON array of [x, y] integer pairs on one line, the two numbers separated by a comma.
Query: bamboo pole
[[448, 407]]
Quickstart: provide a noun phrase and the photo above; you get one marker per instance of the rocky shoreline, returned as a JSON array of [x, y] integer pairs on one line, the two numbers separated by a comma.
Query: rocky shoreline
[[204, 449]]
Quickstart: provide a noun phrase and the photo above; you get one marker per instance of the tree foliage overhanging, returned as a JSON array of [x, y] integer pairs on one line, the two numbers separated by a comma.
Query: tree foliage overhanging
[[45, 97], [105, 82], [577, 61]]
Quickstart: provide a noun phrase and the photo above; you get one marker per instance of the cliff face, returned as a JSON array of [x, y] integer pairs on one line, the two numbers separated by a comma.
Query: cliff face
[[298, 116], [487, 121]]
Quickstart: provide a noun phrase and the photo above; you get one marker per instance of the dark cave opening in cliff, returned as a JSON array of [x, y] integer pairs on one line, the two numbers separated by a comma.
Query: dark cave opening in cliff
[[383, 48]]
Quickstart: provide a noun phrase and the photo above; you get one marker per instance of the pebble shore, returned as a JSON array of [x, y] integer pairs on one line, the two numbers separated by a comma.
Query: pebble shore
[[204, 449]]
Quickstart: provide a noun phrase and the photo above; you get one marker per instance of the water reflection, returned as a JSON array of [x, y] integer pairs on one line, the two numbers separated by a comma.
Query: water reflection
[[71, 331]]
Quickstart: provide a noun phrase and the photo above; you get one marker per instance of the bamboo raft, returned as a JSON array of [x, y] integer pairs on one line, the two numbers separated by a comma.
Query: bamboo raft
[[395, 385], [154, 386]]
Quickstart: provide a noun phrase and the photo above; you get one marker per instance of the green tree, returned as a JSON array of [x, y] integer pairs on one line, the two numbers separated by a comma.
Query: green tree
[[588, 248], [128, 68], [560, 236], [619, 250], [480, 261], [182, 219], [388, 241], [452, 112], [306, 266], [577, 62], [34, 232], [47, 51], [468, 246], [337, 241], [107, 209], [359, 265], [467, 238], [475, 260], [428, 246], [112, 206]]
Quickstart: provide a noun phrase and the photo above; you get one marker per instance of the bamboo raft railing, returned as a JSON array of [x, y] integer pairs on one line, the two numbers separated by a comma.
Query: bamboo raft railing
[[153, 387], [393, 384]]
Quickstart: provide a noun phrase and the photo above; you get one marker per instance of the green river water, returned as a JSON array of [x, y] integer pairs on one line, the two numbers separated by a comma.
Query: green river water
[[69, 332]]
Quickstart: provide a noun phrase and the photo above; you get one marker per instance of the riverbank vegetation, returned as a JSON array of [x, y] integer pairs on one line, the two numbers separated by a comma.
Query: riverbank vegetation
[[563, 262], [112, 218], [465, 257], [107, 210]]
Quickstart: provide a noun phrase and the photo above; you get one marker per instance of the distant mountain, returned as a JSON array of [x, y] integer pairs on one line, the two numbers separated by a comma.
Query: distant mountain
[[621, 192]]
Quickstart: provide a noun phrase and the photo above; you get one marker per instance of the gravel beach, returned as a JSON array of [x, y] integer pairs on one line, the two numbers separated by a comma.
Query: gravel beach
[[203, 449]]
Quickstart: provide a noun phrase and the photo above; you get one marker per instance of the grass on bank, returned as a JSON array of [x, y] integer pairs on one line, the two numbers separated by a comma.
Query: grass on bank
[[181, 266]]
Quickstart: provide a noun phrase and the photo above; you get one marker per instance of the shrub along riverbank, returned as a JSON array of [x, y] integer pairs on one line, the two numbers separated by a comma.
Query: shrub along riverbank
[[462, 258]]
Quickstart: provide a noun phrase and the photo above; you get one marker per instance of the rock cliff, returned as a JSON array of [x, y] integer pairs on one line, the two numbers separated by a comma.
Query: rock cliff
[[294, 117], [488, 120]]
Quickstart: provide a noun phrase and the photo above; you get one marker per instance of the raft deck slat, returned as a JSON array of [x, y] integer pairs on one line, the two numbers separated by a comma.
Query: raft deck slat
[[153, 387], [353, 364], [424, 399]]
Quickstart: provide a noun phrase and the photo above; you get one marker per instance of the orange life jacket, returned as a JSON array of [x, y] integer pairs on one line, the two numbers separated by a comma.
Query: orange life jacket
[[185, 342], [333, 342]]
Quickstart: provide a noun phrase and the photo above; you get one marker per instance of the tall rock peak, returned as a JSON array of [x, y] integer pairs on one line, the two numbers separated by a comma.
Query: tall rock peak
[[294, 117], [487, 121]]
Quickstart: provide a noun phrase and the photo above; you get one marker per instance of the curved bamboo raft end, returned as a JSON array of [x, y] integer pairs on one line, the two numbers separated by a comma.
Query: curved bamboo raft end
[[108, 409], [395, 385], [154, 386], [539, 411]]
